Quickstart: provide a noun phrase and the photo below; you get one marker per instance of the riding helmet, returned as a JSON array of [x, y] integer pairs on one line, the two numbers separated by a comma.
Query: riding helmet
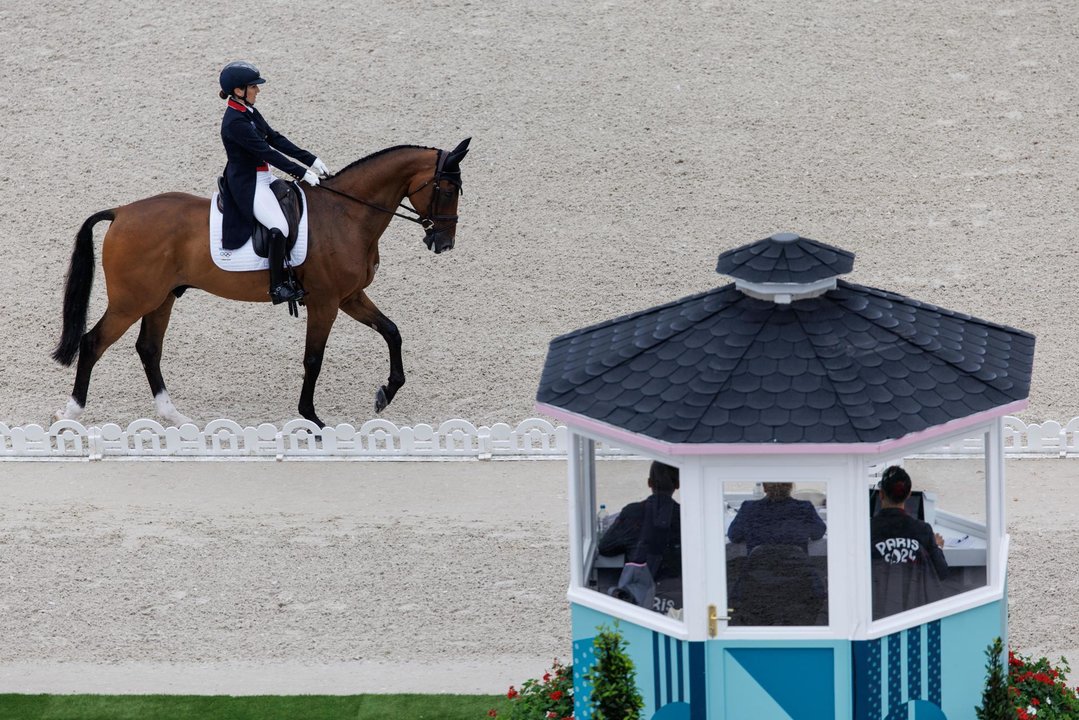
[[239, 74]]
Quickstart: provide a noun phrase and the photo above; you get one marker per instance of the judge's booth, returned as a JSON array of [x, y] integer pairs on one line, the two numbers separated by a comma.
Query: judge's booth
[[786, 591]]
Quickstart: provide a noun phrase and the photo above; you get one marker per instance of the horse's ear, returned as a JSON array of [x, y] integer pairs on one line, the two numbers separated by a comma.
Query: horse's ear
[[458, 154]]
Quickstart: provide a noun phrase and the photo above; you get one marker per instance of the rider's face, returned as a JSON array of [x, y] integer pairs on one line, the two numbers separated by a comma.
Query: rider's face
[[248, 94]]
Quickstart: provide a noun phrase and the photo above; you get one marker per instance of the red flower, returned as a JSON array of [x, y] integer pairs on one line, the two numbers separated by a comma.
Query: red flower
[[492, 713], [546, 677], [512, 693], [556, 695], [1034, 702]]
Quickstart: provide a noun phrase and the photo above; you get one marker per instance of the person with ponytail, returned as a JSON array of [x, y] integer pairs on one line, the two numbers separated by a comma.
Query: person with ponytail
[[252, 146], [897, 538]]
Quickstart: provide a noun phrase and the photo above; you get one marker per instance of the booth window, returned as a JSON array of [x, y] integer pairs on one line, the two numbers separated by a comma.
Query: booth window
[[928, 534], [777, 553], [638, 535]]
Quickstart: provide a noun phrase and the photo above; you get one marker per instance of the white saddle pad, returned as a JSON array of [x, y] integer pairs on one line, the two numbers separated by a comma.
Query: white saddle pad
[[244, 259]]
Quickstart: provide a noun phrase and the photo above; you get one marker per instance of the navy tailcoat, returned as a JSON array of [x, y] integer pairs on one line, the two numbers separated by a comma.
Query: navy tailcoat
[[251, 143]]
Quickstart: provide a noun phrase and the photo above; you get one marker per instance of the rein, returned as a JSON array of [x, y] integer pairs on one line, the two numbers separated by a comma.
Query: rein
[[419, 219], [427, 223]]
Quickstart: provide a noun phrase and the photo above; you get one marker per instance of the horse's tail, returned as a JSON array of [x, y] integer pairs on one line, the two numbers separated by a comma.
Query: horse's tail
[[80, 279]]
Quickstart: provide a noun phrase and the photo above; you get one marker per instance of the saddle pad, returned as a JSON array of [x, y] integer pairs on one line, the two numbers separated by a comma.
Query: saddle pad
[[244, 259]]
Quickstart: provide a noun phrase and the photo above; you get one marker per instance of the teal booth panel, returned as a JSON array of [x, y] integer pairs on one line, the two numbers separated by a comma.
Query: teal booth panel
[[662, 663], [779, 679], [965, 637], [934, 671], [720, 680]]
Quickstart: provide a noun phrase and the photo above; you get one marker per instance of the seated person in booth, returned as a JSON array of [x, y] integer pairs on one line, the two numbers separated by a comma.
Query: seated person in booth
[[649, 534], [908, 562], [777, 583], [776, 519]]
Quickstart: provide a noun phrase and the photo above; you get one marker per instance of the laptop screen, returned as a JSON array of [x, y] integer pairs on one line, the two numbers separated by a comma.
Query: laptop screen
[[915, 505]]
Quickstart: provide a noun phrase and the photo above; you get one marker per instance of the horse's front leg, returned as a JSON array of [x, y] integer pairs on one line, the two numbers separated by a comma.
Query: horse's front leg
[[151, 338], [319, 321], [361, 308]]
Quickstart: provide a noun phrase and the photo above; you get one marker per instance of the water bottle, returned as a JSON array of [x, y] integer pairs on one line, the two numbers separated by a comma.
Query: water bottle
[[601, 519]]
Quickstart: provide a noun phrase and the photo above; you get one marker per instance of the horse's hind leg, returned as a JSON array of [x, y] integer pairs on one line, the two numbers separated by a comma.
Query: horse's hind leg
[[361, 308], [92, 346], [151, 337]]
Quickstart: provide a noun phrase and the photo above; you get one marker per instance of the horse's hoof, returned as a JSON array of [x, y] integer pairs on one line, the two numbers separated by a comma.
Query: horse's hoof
[[381, 401], [71, 411]]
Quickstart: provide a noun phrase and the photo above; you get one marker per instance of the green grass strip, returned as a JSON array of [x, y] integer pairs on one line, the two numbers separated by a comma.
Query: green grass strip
[[255, 707]]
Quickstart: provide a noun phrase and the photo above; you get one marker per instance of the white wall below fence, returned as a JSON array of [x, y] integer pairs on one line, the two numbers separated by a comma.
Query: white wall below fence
[[380, 439]]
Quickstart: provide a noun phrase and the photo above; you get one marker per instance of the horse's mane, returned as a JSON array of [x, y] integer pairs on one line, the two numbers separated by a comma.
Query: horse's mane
[[378, 153]]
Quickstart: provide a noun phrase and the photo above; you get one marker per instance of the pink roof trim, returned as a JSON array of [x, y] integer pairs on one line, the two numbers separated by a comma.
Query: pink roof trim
[[646, 443]]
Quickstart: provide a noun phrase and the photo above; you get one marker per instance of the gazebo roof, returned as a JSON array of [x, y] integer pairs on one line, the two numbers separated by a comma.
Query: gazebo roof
[[852, 364], [785, 258]]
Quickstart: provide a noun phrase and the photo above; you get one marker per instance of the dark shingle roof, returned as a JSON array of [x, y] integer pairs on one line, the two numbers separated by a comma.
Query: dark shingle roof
[[854, 365], [785, 258]]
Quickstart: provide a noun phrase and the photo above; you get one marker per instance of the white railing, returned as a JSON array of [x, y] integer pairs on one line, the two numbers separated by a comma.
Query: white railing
[[222, 439], [300, 439]]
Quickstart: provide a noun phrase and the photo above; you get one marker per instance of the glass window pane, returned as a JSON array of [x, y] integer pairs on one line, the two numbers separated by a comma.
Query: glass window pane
[[927, 532], [777, 553], [586, 494], [638, 555]]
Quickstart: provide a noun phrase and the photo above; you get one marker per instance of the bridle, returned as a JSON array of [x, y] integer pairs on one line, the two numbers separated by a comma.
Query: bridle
[[425, 220]]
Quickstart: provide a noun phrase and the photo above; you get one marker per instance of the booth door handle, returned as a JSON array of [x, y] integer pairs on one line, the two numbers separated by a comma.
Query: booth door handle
[[714, 618]]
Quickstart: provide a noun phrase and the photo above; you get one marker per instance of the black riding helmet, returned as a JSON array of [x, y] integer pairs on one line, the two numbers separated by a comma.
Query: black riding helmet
[[239, 74]]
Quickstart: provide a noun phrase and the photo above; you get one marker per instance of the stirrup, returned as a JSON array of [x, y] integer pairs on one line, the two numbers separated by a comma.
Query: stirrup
[[285, 292]]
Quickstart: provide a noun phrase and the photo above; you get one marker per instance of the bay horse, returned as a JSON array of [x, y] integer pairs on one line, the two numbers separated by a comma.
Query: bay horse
[[158, 247]]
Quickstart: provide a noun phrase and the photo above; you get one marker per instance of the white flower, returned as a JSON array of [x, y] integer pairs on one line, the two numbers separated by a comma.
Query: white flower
[[1031, 710]]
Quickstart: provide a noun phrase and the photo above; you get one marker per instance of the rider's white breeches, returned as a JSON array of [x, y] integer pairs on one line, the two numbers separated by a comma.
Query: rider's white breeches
[[267, 209]]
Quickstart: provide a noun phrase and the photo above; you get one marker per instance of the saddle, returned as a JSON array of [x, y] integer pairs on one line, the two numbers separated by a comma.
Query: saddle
[[288, 196]]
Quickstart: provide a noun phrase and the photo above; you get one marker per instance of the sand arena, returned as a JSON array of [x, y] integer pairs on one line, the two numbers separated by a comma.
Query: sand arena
[[617, 149]]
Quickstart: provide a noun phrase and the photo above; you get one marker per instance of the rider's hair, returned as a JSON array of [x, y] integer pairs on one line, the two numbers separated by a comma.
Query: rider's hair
[[223, 95]]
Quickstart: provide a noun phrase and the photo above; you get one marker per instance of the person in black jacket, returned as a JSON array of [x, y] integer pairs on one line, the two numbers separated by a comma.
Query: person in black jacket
[[252, 146], [649, 532], [896, 537]]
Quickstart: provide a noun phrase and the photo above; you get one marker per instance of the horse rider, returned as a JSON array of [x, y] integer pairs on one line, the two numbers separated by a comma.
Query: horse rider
[[252, 146]]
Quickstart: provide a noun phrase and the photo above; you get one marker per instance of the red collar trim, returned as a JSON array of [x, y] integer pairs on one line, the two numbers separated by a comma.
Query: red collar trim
[[237, 105]]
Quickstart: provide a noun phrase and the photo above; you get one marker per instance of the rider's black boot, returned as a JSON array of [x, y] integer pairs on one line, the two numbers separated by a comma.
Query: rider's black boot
[[281, 287]]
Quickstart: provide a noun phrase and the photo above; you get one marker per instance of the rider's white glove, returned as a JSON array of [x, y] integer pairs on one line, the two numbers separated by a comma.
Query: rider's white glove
[[320, 167], [310, 178]]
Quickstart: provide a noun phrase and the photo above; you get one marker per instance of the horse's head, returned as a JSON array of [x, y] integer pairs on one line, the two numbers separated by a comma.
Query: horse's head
[[439, 196]]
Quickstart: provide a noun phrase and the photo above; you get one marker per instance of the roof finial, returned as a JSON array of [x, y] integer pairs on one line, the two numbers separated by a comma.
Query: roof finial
[[785, 267]]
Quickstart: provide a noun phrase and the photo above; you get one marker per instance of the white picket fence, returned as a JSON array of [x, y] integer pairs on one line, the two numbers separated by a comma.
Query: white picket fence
[[453, 439]]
